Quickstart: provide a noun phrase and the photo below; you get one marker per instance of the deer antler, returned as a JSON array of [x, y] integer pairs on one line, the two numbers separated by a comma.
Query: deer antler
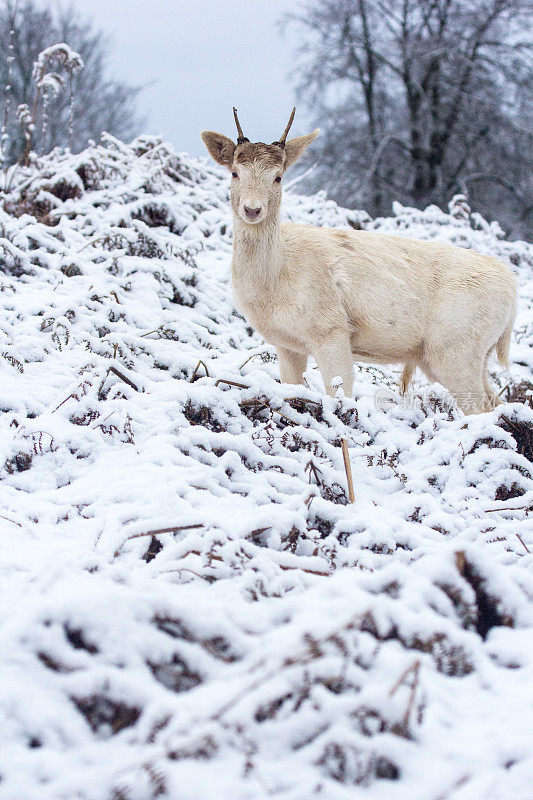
[[241, 138], [281, 142]]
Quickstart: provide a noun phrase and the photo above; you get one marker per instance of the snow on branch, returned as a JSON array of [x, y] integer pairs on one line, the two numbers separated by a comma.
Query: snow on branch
[[58, 56], [48, 83]]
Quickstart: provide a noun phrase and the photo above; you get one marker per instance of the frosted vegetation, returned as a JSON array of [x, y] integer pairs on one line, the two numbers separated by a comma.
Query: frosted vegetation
[[190, 607], [69, 89]]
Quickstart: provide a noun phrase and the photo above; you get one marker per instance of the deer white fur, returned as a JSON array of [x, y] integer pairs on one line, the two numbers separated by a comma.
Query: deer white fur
[[346, 295]]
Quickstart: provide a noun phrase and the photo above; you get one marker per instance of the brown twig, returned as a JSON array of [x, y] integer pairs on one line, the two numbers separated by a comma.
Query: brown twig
[[123, 377], [457, 785], [348, 468], [158, 532], [197, 367], [262, 403], [314, 471], [253, 401], [232, 383], [185, 569], [303, 400], [415, 669], [62, 403], [306, 569], [525, 545], [503, 390], [255, 355], [302, 405], [402, 678], [508, 508], [99, 421], [257, 532], [173, 529], [11, 520], [282, 415], [81, 388]]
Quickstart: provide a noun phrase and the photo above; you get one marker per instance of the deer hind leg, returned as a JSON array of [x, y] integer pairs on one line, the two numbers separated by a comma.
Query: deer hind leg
[[405, 378], [292, 365], [334, 357], [492, 397], [463, 374]]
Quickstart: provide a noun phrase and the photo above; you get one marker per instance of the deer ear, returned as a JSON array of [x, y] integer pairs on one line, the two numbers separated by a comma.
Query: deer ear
[[220, 147], [295, 147]]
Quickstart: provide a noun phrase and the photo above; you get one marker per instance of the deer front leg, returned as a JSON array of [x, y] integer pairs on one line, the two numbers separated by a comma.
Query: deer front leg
[[334, 357], [291, 365]]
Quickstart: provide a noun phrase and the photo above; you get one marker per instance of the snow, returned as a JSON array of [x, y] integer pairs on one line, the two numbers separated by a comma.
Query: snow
[[56, 56], [268, 638]]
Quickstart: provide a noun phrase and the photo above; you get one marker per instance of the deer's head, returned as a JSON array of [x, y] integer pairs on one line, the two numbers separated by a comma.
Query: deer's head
[[256, 168]]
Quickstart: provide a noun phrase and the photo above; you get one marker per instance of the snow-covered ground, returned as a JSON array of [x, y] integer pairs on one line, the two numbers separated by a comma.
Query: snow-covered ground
[[189, 606]]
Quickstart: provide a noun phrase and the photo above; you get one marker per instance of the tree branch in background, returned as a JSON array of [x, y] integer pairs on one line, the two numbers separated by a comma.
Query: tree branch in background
[[95, 102], [449, 79]]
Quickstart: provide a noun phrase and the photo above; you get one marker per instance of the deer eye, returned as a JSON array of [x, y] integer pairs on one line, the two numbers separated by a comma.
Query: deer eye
[[234, 175], [277, 179]]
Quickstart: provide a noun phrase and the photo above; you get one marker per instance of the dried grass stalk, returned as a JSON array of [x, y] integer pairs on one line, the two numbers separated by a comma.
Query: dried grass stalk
[[348, 468]]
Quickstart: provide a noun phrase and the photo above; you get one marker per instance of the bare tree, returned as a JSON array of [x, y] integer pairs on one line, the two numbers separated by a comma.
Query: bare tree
[[99, 102], [419, 99]]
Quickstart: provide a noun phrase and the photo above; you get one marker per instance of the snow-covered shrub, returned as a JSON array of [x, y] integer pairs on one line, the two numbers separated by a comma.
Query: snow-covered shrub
[[189, 606]]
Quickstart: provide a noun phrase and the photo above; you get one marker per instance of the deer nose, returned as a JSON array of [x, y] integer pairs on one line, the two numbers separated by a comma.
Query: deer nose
[[252, 213]]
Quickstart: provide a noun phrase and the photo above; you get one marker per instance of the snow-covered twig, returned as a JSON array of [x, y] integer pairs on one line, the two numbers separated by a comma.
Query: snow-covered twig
[[58, 56], [4, 135]]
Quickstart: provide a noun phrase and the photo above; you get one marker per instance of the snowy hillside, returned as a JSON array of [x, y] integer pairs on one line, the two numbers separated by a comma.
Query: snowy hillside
[[190, 608]]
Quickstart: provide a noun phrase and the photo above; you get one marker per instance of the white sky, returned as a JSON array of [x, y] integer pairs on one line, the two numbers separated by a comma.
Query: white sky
[[200, 58]]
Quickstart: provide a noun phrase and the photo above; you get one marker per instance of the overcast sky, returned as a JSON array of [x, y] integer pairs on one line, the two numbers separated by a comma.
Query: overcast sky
[[201, 57]]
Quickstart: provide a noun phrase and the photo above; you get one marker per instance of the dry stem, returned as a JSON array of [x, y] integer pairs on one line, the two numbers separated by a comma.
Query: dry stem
[[197, 367], [348, 468], [123, 377], [415, 669], [158, 532]]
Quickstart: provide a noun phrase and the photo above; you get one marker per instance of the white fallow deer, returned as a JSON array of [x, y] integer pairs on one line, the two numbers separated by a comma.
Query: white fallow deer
[[347, 295]]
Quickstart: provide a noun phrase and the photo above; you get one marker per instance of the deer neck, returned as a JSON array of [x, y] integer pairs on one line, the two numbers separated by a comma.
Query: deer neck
[[257, 257]]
